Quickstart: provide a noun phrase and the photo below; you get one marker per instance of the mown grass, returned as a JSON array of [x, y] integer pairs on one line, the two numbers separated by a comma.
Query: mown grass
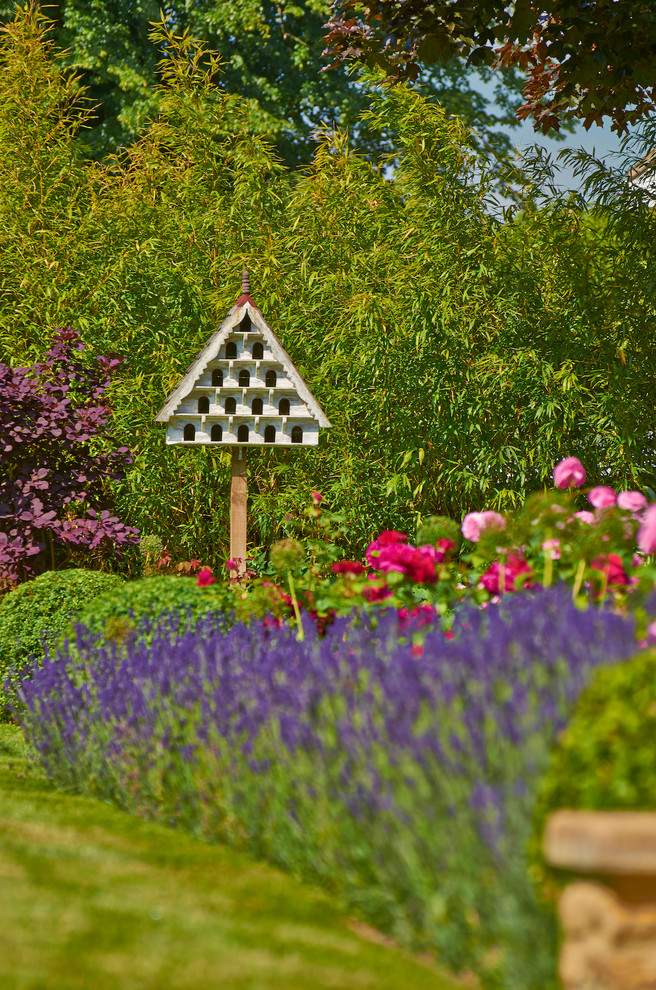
[[91, 897]]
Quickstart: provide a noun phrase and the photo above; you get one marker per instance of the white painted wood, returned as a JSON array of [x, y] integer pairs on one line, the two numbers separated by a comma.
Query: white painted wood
[[231, 424], [197, 381]]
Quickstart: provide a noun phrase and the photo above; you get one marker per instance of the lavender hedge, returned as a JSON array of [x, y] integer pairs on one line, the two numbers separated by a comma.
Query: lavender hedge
[[401, 775]]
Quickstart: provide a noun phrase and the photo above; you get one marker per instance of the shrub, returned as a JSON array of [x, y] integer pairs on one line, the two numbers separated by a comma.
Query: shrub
[[606, 757], [400, 774], [52, 472], [121, 612], [36, 612]]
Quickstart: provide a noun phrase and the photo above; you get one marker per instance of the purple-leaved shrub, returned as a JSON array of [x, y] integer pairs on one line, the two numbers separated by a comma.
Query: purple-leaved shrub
[[52, 479], [401, 774]]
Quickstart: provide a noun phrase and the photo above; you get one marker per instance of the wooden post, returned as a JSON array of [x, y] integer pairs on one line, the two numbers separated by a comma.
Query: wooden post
[[238, 517]]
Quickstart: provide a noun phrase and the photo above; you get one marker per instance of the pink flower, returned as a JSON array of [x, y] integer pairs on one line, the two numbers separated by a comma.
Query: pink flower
[[570, 473], [585, 517], [554, 546], [612, 566], [602, 497], [317, 498], [647, 532], [475, 523], [205, 577], [231, 565], [424, 614], [515, 566], [391, 536], [348, 567], [386, 538], [631, 501], [376, 593], [417, 564]]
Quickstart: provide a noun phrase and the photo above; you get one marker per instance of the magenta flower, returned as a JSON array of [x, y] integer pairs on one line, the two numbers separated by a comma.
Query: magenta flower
[[612, 566], [602, 497], [585, 517], [631, 501], [386, 538], [647, 532], [516, 565], [317, 498], [348, 567], [570, 473], [205, 577], [475, 523], [417, 564]]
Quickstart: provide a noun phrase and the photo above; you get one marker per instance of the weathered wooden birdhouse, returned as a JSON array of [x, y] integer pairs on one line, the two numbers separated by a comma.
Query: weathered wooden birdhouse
[[243, 389]]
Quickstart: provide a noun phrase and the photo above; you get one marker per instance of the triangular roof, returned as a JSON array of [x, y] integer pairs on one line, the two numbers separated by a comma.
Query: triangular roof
[[244, 306]]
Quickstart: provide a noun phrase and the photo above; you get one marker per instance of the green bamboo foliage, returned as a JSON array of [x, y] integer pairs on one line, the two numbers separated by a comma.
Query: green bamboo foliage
[[459, 352]]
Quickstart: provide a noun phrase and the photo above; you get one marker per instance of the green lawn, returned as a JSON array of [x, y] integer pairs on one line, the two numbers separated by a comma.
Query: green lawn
[[91, 898]]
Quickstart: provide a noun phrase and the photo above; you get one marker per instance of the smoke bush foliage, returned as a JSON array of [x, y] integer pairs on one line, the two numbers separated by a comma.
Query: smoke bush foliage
[[458, 352], [52, 481], [402, 775]]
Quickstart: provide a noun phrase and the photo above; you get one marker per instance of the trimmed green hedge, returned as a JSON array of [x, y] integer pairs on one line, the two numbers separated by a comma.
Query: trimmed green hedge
[[35, 613], [119, 612], [606, 757]]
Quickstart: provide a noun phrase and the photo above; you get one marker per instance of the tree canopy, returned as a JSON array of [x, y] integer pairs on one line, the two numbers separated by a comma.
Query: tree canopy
[[458, 352], [271, 56], [583, 59]]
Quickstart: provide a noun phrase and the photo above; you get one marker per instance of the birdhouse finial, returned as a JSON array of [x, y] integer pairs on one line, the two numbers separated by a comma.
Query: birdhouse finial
[[245, 282]]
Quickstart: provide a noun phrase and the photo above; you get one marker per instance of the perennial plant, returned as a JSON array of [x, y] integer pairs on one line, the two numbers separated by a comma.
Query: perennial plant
[[399, 773]]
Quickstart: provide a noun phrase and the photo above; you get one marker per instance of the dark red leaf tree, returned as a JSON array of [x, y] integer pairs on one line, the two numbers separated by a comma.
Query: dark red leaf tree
[[57, 453], [583, 59]]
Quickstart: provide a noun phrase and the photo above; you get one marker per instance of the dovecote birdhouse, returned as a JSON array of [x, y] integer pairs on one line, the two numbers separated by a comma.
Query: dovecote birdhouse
[[243, 389]]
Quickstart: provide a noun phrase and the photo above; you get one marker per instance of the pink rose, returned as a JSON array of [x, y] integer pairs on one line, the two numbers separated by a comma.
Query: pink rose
[[417, 564], [570, 473], [585, 517], [516, 565], [611, 565], [205, 577], [554, 547], [631, 501], [387, 538], [471, 526], [647, 532], [602, 497], [475, 523], [348, 567]]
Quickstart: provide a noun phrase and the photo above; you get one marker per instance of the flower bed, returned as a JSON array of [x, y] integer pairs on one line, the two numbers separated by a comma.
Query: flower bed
[[399, 773]]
